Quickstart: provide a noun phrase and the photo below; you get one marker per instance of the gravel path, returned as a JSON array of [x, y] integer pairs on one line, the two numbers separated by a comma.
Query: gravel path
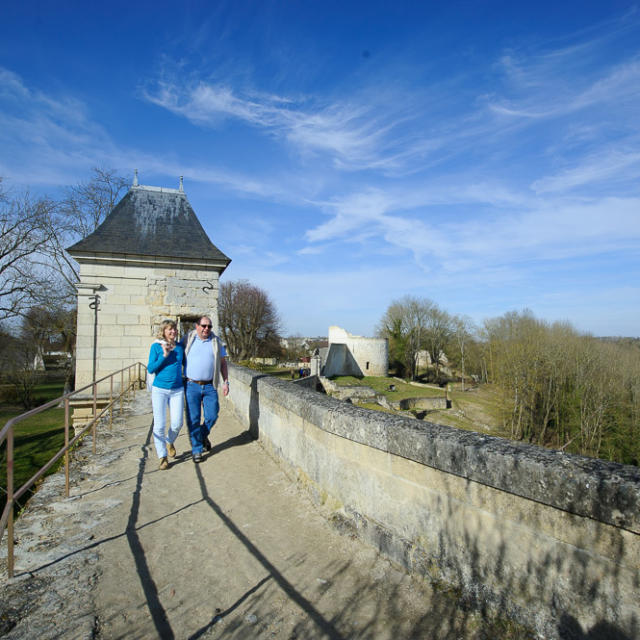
[[230, 548]]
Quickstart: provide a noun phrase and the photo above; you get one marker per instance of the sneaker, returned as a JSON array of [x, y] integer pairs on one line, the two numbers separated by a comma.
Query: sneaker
[[197, 457], [171, 449], [207, 443], [163, 464]]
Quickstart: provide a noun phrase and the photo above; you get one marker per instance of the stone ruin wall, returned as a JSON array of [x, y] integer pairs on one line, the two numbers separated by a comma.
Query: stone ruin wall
[[371, 351]]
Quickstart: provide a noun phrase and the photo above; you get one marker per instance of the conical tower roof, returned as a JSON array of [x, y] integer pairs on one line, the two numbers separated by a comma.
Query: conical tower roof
[[148, 223]]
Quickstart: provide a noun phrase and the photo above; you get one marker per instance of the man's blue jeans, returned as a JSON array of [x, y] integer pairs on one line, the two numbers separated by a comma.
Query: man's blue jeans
[[198, 396]]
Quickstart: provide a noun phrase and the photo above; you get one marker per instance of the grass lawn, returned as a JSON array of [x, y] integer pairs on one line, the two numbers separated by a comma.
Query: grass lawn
[[37, 439], [272, 370], [380, 384], [278, 372], [476, 409]]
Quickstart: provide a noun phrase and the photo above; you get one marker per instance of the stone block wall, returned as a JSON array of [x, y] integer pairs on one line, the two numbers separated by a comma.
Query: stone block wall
[[133, 302], [371, 355], [550, 539]]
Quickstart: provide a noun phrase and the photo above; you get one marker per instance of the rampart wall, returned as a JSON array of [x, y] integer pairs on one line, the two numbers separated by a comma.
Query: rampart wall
[[551, 539]]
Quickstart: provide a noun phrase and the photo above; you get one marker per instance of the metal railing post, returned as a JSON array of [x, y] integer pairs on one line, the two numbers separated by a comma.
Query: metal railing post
[[10, 502], [66, 444], [111, 401], [7, 435], [95, 413]]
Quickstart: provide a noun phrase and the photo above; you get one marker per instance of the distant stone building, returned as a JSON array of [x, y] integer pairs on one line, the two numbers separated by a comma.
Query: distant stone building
[[350, 355], [424, 359], [149, 260]]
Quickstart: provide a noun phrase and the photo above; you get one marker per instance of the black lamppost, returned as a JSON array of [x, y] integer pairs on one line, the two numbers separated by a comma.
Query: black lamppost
[[95, 305]]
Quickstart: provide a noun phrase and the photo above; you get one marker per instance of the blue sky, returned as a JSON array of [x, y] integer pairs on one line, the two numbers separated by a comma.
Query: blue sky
[[485, 155]]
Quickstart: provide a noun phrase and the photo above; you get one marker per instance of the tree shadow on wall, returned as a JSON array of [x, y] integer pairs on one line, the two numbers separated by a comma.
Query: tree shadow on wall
[[488, 583], [381, 599], [570, 629]]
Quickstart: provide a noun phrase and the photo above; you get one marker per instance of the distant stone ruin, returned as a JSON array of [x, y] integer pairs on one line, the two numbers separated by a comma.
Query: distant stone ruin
[[350, 355]]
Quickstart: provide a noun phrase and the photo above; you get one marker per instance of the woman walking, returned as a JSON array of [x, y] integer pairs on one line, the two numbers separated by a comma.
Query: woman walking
[[165, 361]]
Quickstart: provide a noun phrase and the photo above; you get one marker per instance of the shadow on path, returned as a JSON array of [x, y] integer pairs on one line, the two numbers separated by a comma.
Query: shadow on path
[[158, 614], [222, 614], [324, 625], [102, 541], [237, 441]]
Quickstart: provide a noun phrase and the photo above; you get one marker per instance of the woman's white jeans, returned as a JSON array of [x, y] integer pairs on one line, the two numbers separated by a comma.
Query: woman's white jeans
[[160, 400]]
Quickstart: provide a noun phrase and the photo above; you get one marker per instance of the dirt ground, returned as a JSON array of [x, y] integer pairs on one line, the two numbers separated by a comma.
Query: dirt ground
[[230, 548]]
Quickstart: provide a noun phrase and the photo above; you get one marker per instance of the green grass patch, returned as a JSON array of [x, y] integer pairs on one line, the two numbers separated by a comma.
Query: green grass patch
[[477, 409], [271, 369], [36, 440], [279, 372], [380, 384], [375, 407]]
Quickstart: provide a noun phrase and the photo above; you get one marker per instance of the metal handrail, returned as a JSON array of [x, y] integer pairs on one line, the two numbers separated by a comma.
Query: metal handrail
[[6, 520]]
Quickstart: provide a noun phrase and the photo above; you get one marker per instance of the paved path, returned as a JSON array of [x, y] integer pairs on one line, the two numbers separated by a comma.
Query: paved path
[[230, 548]]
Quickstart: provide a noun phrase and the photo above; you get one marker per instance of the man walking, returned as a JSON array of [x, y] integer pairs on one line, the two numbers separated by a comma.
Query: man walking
[[206, 359]]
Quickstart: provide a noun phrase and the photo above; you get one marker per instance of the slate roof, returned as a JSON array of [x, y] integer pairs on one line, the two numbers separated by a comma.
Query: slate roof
[[152, 221]]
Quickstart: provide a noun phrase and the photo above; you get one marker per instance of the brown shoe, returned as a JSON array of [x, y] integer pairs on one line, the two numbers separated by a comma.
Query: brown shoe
[[163, 464], [171, 449]]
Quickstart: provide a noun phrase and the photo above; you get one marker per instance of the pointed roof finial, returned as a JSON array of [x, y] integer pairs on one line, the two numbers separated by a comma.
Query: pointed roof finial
[[135, 178], [181, 185]]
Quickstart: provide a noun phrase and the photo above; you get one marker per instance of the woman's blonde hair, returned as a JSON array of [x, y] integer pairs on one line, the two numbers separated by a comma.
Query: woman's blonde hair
[[163, 326]]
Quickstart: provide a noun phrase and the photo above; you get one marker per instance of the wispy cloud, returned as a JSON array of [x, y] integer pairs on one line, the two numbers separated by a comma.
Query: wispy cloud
[[519, 229], [53, 140], [354, 134], [614, 166], [46, 139], [556, 83]]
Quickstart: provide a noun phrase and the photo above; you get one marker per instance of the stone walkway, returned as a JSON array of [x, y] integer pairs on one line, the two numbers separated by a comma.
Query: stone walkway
[[230, 548]]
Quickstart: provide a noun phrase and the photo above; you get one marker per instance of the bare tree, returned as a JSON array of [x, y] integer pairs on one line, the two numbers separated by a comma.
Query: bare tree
[[248, 320], [83, 209], [463, 329], [295, 348], [26, 232], [437, 333], [393, 328], [87, 204], [404, 324], [35, 270]]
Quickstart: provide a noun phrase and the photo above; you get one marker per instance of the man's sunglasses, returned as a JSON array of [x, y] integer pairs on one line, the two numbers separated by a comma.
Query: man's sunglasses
[[206, 326]]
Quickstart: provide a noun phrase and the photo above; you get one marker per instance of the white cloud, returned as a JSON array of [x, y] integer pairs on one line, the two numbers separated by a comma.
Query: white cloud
[[614, 165], [354, 133]]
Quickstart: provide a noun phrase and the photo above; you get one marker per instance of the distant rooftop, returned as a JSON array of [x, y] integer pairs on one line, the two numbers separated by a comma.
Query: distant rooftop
[[152, 221]]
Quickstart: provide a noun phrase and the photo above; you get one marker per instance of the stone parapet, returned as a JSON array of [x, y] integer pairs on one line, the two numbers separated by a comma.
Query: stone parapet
[[551, 538]]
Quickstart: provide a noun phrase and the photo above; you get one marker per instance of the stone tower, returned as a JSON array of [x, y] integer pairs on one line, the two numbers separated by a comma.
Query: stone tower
[[149, 260]]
